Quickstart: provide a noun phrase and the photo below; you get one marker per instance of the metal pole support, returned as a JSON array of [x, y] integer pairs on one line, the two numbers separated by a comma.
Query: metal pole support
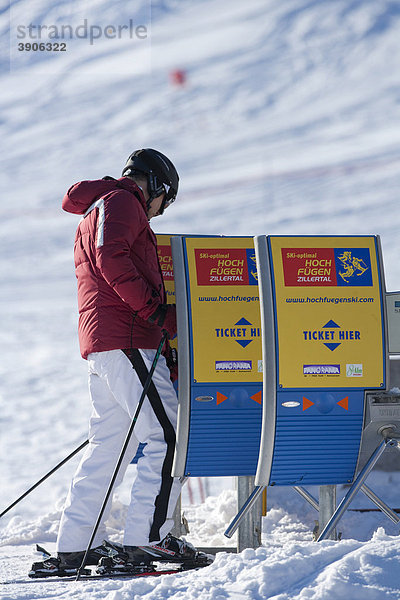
[[249, 530], [307, 496], [243, 511], [380, 504], [355, 487], [327, 507], [177, 528]]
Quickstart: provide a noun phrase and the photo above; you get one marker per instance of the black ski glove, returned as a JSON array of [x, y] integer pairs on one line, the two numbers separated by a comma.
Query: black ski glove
[[172, 363], [165, 317]]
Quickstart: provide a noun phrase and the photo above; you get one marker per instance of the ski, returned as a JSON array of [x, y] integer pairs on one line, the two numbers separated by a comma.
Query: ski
[[91, 577], [115, 564]]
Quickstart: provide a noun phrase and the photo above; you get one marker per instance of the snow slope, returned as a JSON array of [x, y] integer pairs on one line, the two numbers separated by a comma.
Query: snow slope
[[288, 124]]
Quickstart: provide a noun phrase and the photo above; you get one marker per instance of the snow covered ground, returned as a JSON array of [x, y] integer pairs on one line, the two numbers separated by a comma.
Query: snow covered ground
[[288, 124], [289, 565]]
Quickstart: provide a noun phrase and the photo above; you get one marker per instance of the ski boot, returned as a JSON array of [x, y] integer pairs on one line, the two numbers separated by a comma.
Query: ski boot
[[65, 564], [176, 550], [124, 560], [135, 559]]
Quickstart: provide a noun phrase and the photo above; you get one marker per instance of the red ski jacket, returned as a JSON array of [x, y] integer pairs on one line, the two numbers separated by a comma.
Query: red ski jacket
[[119, 278]]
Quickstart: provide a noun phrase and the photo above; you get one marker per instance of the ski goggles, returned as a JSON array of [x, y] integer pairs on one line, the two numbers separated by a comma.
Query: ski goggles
[[157, 188], [170, 195]]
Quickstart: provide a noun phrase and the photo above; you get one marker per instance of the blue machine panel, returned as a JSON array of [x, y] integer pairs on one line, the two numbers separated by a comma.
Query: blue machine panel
[[225, 428], [324, 336], [219, 336], [317, 437]]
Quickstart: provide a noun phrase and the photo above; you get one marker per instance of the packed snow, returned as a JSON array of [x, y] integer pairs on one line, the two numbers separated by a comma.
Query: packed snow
[[287, 124]]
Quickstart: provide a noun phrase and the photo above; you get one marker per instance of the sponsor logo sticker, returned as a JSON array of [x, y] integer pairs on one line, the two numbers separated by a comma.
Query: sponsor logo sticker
[[233, 365], [353, 370], [353, 267], [231, 266], [321, 369], [309, 266], [326, 267], [165, 260]]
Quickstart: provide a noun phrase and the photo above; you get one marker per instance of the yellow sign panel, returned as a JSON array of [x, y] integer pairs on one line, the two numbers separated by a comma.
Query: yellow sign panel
[[224, 309], [329, 313], [165, 260]]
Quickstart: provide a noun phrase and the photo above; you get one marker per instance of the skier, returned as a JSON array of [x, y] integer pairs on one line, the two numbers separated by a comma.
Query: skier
[[122, 316]]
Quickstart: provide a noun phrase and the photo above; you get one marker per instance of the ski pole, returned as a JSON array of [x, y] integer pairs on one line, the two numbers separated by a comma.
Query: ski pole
[[60, 464], [123, 451]]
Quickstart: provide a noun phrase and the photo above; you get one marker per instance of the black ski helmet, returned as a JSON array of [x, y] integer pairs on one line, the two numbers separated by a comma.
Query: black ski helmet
[[160, 172]]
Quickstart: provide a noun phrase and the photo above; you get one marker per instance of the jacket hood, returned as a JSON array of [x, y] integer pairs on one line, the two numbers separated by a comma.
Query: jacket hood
[[82, 195]]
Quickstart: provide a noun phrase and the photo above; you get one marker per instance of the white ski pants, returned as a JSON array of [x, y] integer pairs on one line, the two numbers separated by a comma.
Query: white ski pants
[[115, 388]]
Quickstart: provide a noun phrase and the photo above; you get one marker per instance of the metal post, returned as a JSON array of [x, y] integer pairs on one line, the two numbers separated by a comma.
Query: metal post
[[249, 534], [380, 504], [307, 496], [355, 487], [243, 511], [177, 516], [180, 523], [327, 507]]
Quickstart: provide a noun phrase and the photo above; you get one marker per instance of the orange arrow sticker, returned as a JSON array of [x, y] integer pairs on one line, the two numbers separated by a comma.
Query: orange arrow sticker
[[344, 403], [257, 397], [221, 398], [307, 403]]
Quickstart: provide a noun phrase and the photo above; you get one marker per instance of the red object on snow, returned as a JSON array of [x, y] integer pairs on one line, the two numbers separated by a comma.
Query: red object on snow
[[178, 77]]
